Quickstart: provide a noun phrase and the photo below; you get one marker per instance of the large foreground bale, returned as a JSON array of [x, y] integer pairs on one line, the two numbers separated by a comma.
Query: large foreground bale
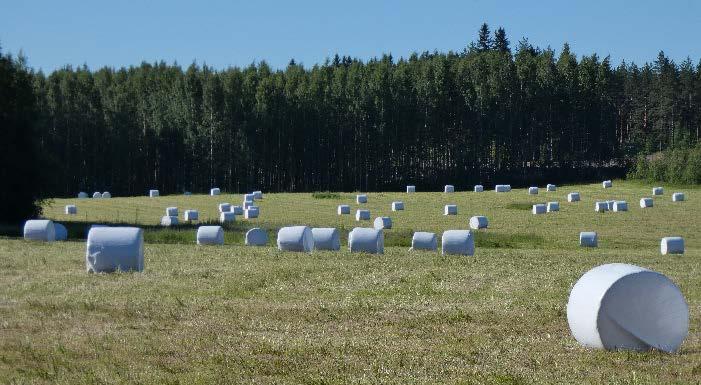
[[295, 238], [106, 195], [449, 188], [540, 208], [60, 231], [39, 230], [367, 240], [227, 217], [153, 193], [251, 212], [343, 209], [70, 210], [672, 245], [620, 306], [479, 222], [256, 237], [114, 248], [214, 191], [573, 197], [657, 191], [362, 215], [678, 197], [646, 202], [326, 238], [533, 190], [191, 215], [382, 223], [424, 241], [502, 188], [361, 198], [588, 239], [450, 210], [168, 221], [478, 188], [553, 206], [210, 235], [172, 211], [410, 189], [397, 206], [457, 242]]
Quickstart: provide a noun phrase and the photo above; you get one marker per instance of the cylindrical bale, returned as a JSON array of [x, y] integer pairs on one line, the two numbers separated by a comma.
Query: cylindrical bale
[[96, 195], [114, 248], [60, 231], [295, 238], [172, 211], [619, 206], [257, 195], [397, 206], [238, 210], [247, 204], [343, 209], [168, 221], [450, 210], [191, 215], [187, 193], [251, 212], [553, 206], [382, 223], [625, 307], [361, 198], [224, 207], [657, 191], [210, 235], [533, 190], [71, 210], [362, 215], [550, 187], [153, 193], [424, 241], [256, 237], [458, 242], [502, 188], [227, 217], [214, 191], [249, 197], [672, 245], [601, 207], [607, 184], [646, 202], [82, 195], [326, 238], [540, 208], [479, 222], [478, 188], [39, 230], [573, 197], [362, 239], [106, 195], [678, 197], [410, 189], [609, 205], [588, 239], [449, 188]]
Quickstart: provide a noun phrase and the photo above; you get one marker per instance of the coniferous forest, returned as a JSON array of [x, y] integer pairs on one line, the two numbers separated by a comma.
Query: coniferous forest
[[493, 112]]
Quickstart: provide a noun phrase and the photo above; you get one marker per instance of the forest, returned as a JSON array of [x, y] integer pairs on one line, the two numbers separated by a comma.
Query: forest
[[492, 112]]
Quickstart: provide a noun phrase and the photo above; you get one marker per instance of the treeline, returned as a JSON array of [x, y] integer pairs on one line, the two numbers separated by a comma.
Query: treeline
[[484, 115], [680, 165]]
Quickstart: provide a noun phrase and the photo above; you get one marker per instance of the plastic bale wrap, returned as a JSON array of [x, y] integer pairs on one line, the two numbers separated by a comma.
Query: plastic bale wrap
[[609, 205], [224, 207], [397, 206], [361, 198], [672, 245], [326, 238], [424, 241], [449, 188], [71, 210], [410, 189], [573, 197], [601, 207], [39, 230], [172, 211], [60, 231], [362, 239], [625, 307], [607, 184], [249, 197], [106, 195], [588, 239], [214, 191], [251, 212], [457, 242], [210, 235], [168, 221], [362, 215], [502, 188], [478, 188], [257, 195], [153, 193], [343, 210], [450, 210], [540, 208], [550, 188], [657, 191], [479, 222], [191, 215], [82, 195], [187, 193], [678, 197], [646, 202], [247, 204], [96, 195], [382, 223], [256, 237], [227, 217], [553, 206], [533, 190], [295, 238], [619, 206], [238, 210], [115, 248]]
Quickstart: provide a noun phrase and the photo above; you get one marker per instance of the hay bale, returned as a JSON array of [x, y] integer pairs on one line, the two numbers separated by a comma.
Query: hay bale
[[172, 211], [478, 188], [362, 239], [540, 208], [191, 215], [295, 238], [450, 210], [609, 205], [424, 241], [672, 245], [214, 191], [249, 197], [646, 202], [553, 206], [533, 190], [257, 195], [210, 235], [502, 188], [168, 221], [588, 239], [601, 207], [247, 204], [153, 193], [251, 212], [187, 193], [678, 197], [70, 210], [479, 222], [361, 198], [625, 307], [457, 242], [607, 184], [256, 237], [410, 189], [114, 248], [60, 231], [550, 187], [343, 209], [106, 195], [397, 206], [326, 238], [39, 230], [227, 217], [573, 197], [382, 223], [224, 207], [619, 206], [449, 188], [238, 210], [96, 195], [82, 195], [657, 191], [362, 215]]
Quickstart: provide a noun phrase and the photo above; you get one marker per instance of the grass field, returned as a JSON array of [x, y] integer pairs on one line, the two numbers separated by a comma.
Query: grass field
[[236, 314]]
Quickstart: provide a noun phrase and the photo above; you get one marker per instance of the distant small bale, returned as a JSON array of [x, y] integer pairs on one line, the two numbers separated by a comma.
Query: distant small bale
[[257, 195], [362, 239], [657, 191], [238, 210], [588, 239], [533, 190], [227, 217], [607, 184], [362, 215], [410, 189], [106, 195], [479, 222], [672, 245], [539, 208], [449, 188], [114, 248], [187, 193], [397, 206], [678, 197], [550, 188], [256, 237], [361, 198], [172, 211], [210, 235], [457, 242], [326, 238], [601, 207], [61, 232], [573, 197], [646, 202], [82, 195], [450, 210], [478, 188], [191, 215], [247, 204], [39, 230], [424, 241], [71, 210], [96, 195], [502, 188], [553, 206], [382, 223], [249, 197], [295, 238], [343, 209], [609, 205], [214, 191], [224, 207], [168, 221], [251, 212], [619, 206], [153, 193]]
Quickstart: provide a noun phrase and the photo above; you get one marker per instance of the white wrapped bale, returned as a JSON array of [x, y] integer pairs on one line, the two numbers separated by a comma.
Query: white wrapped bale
[[82, 195], [362, 215], [479, 222], [601, 207], [588, 239], [224, 207], [295, 238], [247, 204], [625, 307], [343, 209], [172, 211], [326, 238], [251, 212], [424, 241], [619, 206], [678, 197], [215, 191], [191, 215], [249, 197], [168, 221], [457, 242], [553, 206], [256, 237], [672, 245], [238, 210], [550, 188], [573, 197], [71, 210], [106, 195], [502, 188], [227, 217], [60, 231], [540, 208], [657, 191], [382, 223], [362, 239], [410, 189], [361, 198], [257, 195], [607, 184], [397, 206], [153, 193], [478, 188], [96, 195], [646, 202], [609, 205], [114, 248], [450, 210], [449, 188], [39, 230], [187, 193], [533, 190], [210, 235]]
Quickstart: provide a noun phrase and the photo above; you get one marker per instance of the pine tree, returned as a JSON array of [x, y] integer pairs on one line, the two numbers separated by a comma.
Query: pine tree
[[484, 42], [501, 43]]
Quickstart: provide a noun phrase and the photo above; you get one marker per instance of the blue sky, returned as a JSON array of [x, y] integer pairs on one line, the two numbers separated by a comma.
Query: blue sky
[[236, 33]]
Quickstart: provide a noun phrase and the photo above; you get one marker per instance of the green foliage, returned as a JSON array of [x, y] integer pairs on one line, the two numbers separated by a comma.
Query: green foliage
[[520, 205], [678, 166], [326, 195]]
